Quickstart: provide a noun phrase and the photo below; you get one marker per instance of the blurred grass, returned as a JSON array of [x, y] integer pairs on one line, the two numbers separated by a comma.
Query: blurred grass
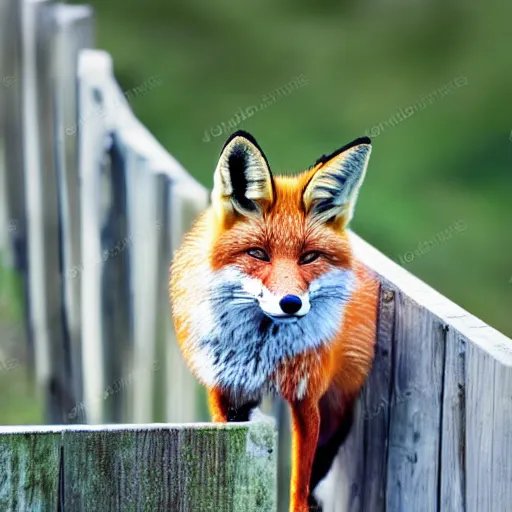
[[364, 61]]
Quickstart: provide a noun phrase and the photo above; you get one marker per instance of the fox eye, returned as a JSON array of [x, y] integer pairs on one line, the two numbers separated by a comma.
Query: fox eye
[[309, 257], [259, 254]]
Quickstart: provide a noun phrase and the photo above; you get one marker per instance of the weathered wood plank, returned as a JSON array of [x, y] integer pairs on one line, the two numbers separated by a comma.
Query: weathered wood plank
[[171, 467], [206, 467], [144, 232], [164, 320], [502, 439], [480, 379], [414, 437], [185, 207], [73, 31], [452, 493], [42, 194], [116, 283], [94, 127], [486, 432], [186, 201], [377, 407], [29, 469]]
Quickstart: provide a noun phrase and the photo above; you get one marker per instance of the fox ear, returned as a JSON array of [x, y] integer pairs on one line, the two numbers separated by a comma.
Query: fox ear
[[331, 193], [242, 183]]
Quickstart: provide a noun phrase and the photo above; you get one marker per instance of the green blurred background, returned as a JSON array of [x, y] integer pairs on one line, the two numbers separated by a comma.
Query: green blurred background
[[364, 61]]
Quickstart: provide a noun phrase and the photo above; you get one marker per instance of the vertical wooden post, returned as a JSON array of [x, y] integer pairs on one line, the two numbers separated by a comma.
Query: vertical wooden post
[[73, 32], [117, 291], [452, 492], [164, 323], [40, 127], [144, 233], [185, 205], [94, 129]]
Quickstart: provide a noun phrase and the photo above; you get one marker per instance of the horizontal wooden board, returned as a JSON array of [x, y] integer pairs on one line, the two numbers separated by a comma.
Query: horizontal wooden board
[[183, 468], [170, 467]]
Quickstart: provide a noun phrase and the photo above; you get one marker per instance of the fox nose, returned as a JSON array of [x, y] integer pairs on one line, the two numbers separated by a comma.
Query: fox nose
[[290, 304]]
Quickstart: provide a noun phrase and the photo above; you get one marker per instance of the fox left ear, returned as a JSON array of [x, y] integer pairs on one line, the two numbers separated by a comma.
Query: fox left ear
[[242, 183], [331, 193]]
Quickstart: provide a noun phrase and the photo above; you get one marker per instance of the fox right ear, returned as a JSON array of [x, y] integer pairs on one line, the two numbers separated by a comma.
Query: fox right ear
[[331, 193], [242, 183]]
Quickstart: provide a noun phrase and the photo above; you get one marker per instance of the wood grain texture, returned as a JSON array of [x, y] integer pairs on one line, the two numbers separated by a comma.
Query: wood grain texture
[[116, 285], [171, 467], [29, 469], [182, 468], [502, 440], [377, 402], [480, 378], [414, 437], [94, 70], [452, 492], [144, 267]]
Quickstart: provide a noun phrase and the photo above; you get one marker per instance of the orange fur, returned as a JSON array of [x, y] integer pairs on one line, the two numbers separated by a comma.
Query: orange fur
[[335, 371]]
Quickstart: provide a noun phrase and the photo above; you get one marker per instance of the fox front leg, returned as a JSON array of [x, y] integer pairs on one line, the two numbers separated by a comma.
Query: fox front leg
[[305, 430], [224, 408]]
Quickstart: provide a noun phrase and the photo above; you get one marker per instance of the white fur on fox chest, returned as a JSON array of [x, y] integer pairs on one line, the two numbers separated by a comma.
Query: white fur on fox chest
[[233, 344]]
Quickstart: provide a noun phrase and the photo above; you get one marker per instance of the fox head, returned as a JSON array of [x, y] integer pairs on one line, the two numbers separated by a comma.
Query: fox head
[[279, 270], [284, 233]]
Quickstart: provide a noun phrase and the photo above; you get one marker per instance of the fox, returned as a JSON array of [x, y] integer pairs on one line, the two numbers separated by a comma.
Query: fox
[[267, 296]]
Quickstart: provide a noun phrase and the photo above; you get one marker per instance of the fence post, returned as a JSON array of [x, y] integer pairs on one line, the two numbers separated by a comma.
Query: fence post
[[94, 141], [144, 233], [182, 468], [45, 291], [73, 32]]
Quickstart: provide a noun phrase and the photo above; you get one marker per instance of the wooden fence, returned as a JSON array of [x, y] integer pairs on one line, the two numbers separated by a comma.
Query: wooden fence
[[157, 467], [98, 208]]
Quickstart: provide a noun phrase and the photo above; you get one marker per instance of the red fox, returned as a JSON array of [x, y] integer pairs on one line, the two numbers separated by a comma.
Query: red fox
[[267, 296]]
